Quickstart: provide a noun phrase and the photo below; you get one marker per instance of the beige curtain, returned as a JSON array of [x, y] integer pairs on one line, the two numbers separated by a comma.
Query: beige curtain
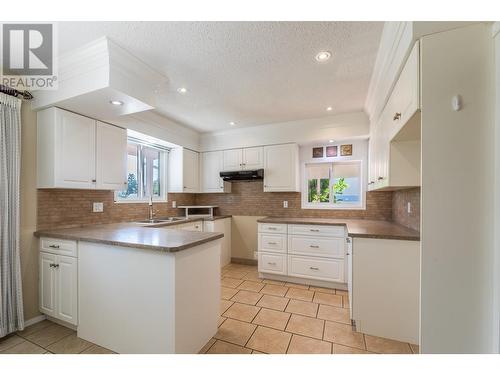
[[11, 299]]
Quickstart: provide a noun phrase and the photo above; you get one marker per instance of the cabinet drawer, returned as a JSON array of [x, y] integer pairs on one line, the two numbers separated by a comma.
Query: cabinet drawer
[[275, 243], [272, 263], [272, 228], [316, 268], [58, 246], [316, 246], [196, 226], [318, 230]]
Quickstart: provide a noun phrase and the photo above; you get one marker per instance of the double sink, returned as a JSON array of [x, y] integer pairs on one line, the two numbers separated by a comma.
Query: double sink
[[161, 221]]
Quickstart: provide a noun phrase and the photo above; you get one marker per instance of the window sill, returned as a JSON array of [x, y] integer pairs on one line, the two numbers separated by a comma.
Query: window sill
[[306, 206], [121, 201]]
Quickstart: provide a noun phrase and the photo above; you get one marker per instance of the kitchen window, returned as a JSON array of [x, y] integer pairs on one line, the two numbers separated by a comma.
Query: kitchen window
[[146, 172], [333, 186]]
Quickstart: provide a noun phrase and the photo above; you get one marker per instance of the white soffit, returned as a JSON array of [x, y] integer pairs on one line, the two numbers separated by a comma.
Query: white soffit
[[97, 73]]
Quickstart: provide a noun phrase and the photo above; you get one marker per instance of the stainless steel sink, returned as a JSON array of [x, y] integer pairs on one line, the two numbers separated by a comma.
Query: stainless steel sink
[[160, 221]]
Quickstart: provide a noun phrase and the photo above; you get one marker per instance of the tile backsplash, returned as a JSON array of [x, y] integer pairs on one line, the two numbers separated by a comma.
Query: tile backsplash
[[58, 208], [400, 215]]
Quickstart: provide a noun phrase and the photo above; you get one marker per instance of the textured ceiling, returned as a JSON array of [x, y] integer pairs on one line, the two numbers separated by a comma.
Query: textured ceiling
[[252, 73]]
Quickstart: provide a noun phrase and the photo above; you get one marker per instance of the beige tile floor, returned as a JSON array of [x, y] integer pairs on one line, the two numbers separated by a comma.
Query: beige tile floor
[[267, 316], [257, 316]]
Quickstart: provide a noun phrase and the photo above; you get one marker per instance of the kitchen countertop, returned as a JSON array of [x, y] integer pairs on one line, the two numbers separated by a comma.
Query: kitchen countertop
[[355, 228], [133, 235]]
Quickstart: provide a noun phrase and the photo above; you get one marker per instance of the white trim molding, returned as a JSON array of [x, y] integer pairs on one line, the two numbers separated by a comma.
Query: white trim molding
[[34, 320]]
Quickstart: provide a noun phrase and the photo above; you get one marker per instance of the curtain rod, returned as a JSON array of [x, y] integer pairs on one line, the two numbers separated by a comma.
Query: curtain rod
[[26, 95]]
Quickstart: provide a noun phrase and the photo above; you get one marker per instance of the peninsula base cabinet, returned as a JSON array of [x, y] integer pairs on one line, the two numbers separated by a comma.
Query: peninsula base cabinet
[[382, 267], [58, 279], [221, 226], [307, 254]]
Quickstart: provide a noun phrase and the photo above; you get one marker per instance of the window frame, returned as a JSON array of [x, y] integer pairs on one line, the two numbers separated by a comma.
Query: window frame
[[162, 174], [305, 204]]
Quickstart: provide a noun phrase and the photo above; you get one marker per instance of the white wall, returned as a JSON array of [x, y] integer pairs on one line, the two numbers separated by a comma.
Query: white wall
[[337, 127], [457, 192]]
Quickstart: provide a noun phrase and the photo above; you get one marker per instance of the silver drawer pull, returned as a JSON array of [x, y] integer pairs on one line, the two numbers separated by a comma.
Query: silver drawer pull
[[314, 268], [272, 228], [314, 246], [272, 243], [271, 263], [314, 230], [54, 265], [54, 246]]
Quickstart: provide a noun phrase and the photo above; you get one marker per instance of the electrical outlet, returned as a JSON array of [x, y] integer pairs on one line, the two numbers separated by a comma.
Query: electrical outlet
[[285, 204], [174, 204], [98, 207], [408, 209]]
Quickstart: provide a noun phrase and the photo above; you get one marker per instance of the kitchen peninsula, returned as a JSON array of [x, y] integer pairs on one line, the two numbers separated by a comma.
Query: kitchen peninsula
[[138, 289]]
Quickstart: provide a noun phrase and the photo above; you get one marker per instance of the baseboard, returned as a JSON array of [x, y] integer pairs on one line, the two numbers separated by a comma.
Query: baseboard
[[34, 320], [62, 323], [248, 262]]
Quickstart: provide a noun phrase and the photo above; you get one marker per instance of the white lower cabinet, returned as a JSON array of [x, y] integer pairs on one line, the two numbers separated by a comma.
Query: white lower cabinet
[[222, 226], [58, 283], [312, 252]]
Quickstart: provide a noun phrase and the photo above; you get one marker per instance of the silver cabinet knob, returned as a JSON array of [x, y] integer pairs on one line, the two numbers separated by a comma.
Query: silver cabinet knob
[[314, 268], [397, 116], [54, 246]]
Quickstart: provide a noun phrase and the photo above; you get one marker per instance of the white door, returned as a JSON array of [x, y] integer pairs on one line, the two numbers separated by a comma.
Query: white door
[[111, 157], [67, 289], [47, 283], [190, 171], [232, 160], [75, 151], [280, 168], [252, 158], [211, 166]]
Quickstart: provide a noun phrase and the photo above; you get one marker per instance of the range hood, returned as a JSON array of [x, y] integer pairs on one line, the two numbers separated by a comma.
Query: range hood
[[256, 174]]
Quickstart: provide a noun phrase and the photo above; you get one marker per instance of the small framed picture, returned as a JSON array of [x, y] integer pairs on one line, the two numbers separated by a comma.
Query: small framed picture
[[317, 152], [331, 151], [346, 150]]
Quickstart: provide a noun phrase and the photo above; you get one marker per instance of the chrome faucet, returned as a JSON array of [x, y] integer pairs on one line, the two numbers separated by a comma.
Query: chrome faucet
[[151, 213]]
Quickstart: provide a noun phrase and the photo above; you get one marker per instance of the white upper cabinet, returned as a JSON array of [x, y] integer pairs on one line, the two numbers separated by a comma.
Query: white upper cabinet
[[211, 164], [243, 159], [111, 157], [281, 168], [394, 160], [183, 171], [67, 154]]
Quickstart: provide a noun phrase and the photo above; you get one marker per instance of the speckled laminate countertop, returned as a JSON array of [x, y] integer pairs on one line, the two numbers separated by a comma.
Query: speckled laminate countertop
[[356, 228], [133, 235]]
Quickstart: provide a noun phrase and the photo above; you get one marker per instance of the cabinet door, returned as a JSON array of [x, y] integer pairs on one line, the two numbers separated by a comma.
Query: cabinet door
[[211, 166], [111, 157], [67, 289], [190, 171], [232, 160], [253, 158], [281, 168], [75, 145], [47, 283]]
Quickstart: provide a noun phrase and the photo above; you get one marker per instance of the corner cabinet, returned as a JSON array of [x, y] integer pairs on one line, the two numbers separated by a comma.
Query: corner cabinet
[[58, 279], [183, 171], [75, 151], [211, 164], [394, 147], [281, 168]]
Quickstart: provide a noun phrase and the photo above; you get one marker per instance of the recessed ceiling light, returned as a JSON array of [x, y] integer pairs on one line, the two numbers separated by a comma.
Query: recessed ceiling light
[[232, 123], [329, 109], [182, 90], [331, 141], [116, 102], [323, 56]]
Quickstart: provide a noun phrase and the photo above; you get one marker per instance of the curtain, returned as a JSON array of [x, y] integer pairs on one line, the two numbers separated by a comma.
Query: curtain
[[11, 299]]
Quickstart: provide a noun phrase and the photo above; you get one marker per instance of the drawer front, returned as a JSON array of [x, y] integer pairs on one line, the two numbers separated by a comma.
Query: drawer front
[[272, 263], [272, 228], [275, 243], [316, 268], [316, 246], [196, 226], [318, 230], [59, 247]]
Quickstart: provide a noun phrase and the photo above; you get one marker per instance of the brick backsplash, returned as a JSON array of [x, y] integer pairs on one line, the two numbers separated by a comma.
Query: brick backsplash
[[400, 213], [63, 208], [248, 198], [58, 208]]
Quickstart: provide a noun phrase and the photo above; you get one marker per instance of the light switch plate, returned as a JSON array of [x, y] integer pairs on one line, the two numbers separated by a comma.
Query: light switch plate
[[408, 207], [174, 204], [98, 207], [285, 204]]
